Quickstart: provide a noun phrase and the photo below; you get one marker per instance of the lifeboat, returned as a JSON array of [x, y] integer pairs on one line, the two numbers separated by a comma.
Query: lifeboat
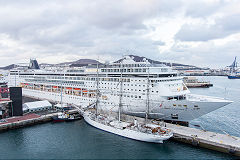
[[78, 89], [55, 87], [69, 88]]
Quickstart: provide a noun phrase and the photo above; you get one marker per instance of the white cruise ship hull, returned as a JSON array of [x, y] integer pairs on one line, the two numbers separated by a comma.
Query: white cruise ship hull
[[184, 110], [131, 134], [181, 113]]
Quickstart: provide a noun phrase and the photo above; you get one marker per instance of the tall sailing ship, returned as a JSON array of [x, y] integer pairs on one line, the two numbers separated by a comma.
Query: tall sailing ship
[[145, 131], [169, 98]]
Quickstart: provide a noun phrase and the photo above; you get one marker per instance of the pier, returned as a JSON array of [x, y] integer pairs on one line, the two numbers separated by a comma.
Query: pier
[[206, 139]]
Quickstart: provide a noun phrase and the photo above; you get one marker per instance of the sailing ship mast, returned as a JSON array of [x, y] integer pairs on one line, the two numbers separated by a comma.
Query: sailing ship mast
[[147, 99], [120, 94], [61, 94], [97, 91]]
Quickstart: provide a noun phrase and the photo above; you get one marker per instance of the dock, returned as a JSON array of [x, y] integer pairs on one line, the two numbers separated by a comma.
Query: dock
[[27, 120], [206, 139]]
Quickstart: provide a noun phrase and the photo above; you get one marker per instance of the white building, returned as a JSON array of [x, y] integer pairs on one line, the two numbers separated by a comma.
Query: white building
[[37, 106]]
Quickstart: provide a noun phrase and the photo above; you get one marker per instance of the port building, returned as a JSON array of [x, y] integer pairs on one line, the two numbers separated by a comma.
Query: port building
[[37, 106]]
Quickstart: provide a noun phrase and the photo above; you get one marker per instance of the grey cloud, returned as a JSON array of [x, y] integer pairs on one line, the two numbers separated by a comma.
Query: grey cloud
[[199, 33], [223, 27], [207, 54], [159, 43], [230, 23], [203, 9]]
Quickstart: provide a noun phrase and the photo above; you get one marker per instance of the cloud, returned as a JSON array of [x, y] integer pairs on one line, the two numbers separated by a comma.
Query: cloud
[[45, 28], [205, 54], [159, 43], [59, 30], [198, 9], [222, 27]]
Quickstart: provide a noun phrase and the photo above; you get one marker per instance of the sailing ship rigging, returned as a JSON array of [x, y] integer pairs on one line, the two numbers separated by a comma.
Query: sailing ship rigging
[[137, 131]]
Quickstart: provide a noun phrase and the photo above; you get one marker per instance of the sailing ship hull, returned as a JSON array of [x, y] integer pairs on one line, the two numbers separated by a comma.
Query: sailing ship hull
[[131, 134]]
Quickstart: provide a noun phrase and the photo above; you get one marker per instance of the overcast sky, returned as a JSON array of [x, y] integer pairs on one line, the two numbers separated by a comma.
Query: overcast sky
[[204, 33]]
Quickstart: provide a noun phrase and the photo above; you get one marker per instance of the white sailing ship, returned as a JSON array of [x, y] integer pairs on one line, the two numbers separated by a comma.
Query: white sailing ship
[[137, 131], [169, 99]]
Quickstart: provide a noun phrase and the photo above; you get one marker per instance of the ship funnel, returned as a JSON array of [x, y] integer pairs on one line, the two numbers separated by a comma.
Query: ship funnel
[[33, 64]]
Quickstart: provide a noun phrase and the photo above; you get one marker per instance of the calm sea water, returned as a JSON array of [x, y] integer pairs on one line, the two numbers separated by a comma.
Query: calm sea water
[[77, 140]]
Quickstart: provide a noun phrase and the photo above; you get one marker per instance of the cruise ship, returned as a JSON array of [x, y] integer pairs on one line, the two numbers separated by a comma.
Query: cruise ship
[[142, 83]]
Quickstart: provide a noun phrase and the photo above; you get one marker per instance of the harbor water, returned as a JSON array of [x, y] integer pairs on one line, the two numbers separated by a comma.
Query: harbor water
[[78, 140]]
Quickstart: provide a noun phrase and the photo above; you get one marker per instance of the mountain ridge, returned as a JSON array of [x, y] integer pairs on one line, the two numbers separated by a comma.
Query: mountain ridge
[[86, 62]]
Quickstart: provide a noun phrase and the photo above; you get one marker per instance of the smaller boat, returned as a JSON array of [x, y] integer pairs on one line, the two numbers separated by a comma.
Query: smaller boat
[[235, 75], [193, 82], [66, 117], [63, 107]]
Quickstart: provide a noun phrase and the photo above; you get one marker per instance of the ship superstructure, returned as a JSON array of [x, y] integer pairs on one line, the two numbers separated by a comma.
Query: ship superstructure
[[169, 98]]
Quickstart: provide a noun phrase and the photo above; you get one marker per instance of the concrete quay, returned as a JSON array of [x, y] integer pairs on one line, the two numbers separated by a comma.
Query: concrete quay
[[206, 139]]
